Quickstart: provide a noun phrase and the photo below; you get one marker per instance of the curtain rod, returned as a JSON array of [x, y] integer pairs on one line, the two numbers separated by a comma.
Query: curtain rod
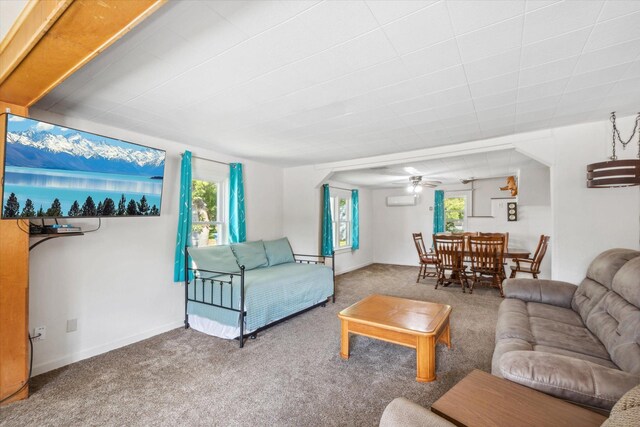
[[340, 188], [207, 160]]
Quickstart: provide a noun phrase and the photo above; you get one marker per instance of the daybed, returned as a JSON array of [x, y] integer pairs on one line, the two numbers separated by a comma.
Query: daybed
[[266, 279], [578, 343]]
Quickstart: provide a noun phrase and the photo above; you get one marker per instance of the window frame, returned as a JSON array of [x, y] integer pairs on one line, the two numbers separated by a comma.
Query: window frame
[[467, 195], [336, 221], [214, 174]]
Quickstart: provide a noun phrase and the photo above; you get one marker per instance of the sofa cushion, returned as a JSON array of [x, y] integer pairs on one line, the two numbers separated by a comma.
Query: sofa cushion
[[616, 323], [555, 350], [627, 282], [250, 254], [505, 346], [552, 312], [513, 321], [278, 251], [588, 294], [567, 377], [561, 335], [215, 258], [599, 280], [552, 292], [605, 266]]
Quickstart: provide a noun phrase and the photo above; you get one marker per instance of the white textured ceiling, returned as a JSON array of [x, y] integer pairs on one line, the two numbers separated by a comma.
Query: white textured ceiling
[[308, 82], [450, 170], [9, 12]]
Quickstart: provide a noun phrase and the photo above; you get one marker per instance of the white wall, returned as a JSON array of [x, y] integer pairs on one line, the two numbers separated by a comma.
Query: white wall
[[118, 281], [585, 221], [302, 198], [393, 226]]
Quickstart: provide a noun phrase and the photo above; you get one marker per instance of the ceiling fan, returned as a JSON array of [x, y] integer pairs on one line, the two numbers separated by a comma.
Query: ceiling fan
[[416, 183]]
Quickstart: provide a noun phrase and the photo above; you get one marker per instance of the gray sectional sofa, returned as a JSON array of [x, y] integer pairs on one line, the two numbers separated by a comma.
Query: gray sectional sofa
[[579, 343]]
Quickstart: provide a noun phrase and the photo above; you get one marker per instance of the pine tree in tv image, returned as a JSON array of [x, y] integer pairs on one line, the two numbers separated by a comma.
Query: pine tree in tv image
[[51, 171]]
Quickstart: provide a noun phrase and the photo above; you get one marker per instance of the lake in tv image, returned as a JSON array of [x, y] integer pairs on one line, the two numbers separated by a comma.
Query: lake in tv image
[[53, 171]]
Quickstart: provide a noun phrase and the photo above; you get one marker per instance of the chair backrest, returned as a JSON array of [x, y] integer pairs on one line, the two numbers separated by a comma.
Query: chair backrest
[[449, 250], [487, 253], [505, 235], [540, 251], [419, 242], [465, 235]]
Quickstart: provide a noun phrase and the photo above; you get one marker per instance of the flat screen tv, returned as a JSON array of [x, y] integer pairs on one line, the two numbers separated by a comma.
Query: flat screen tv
[[51, 171]]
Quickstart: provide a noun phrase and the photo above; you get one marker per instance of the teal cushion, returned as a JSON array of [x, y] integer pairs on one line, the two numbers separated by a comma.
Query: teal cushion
[[215, 258], [278, 251], [250, 254]]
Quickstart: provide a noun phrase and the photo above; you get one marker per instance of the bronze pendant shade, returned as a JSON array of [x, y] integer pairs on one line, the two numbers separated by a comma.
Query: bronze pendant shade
[[616, 173]]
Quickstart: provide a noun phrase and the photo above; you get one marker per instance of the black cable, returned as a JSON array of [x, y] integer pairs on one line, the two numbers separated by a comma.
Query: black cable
[[95, 229], [18, 222], [30, 368]]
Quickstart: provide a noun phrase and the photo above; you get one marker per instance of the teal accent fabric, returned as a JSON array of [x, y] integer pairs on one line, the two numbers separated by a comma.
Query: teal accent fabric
[[237, 227], [250, 254], [215, 258], [270, 294], [183, 238], [438, 212], [278, 251], [355, 221], [327, 225]]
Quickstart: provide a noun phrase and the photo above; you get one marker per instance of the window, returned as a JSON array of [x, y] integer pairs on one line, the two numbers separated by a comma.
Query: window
[[455, 212], [206, 225], [341, 204]]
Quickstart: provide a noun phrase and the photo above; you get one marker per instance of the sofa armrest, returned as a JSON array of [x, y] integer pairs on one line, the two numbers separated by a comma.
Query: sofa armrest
[[552, 292], [567, 378], [402, 412]]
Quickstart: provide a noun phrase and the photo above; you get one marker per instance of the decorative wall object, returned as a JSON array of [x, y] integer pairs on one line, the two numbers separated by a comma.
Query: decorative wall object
[[511, 186], [512, 211]]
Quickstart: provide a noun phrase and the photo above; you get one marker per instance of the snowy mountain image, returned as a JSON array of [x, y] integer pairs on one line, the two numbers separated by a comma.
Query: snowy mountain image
[[75, 151], [53, 171]]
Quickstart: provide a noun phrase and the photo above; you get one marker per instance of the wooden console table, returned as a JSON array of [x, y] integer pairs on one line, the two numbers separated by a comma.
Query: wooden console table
[[482, 399]]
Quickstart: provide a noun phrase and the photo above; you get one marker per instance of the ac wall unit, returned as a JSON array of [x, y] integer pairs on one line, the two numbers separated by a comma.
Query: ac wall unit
[[402, 200]]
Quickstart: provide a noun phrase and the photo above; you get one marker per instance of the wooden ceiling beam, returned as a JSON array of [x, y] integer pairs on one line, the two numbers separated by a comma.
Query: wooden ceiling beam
[[54, 38]]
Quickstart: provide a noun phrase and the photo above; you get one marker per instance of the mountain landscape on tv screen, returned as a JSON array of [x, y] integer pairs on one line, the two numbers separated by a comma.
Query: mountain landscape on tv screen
[[47, 150], [53, 171]]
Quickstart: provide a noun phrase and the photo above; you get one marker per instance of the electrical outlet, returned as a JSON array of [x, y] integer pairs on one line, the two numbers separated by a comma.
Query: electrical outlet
[[40, 330], [72, 325]]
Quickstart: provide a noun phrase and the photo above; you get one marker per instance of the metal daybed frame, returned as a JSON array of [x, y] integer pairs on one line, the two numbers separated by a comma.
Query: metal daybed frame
[[221, 281]]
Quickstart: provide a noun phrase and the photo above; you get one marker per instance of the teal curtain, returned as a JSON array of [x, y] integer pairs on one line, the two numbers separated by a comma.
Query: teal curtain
[[355, 221], [183, 238], [327, 225], [237, 227], [438, 212]]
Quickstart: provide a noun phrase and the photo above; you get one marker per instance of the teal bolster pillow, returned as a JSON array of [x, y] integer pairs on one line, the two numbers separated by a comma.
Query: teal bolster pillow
[[279, 251], [214, 258], [250, 254]]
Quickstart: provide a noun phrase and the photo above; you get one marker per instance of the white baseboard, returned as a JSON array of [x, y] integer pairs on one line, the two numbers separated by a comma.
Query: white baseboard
[[352, 268], [100, 349]]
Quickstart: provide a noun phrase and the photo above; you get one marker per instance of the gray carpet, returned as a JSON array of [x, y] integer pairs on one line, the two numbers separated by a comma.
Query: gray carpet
[[291, 375]]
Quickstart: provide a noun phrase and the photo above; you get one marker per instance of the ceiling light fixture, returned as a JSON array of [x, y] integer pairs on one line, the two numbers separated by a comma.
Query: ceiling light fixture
[[616, 173], [415, 185]]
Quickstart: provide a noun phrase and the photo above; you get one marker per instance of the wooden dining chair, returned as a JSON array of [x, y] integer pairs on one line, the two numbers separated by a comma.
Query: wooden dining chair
[[531, 265], [505, 249], [426, 258], [487, 254], [505, 235], [450, 253]]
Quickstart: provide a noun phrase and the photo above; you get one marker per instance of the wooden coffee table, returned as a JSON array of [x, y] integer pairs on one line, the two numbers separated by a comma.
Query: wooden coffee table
[[415, 324], [482, 399]]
